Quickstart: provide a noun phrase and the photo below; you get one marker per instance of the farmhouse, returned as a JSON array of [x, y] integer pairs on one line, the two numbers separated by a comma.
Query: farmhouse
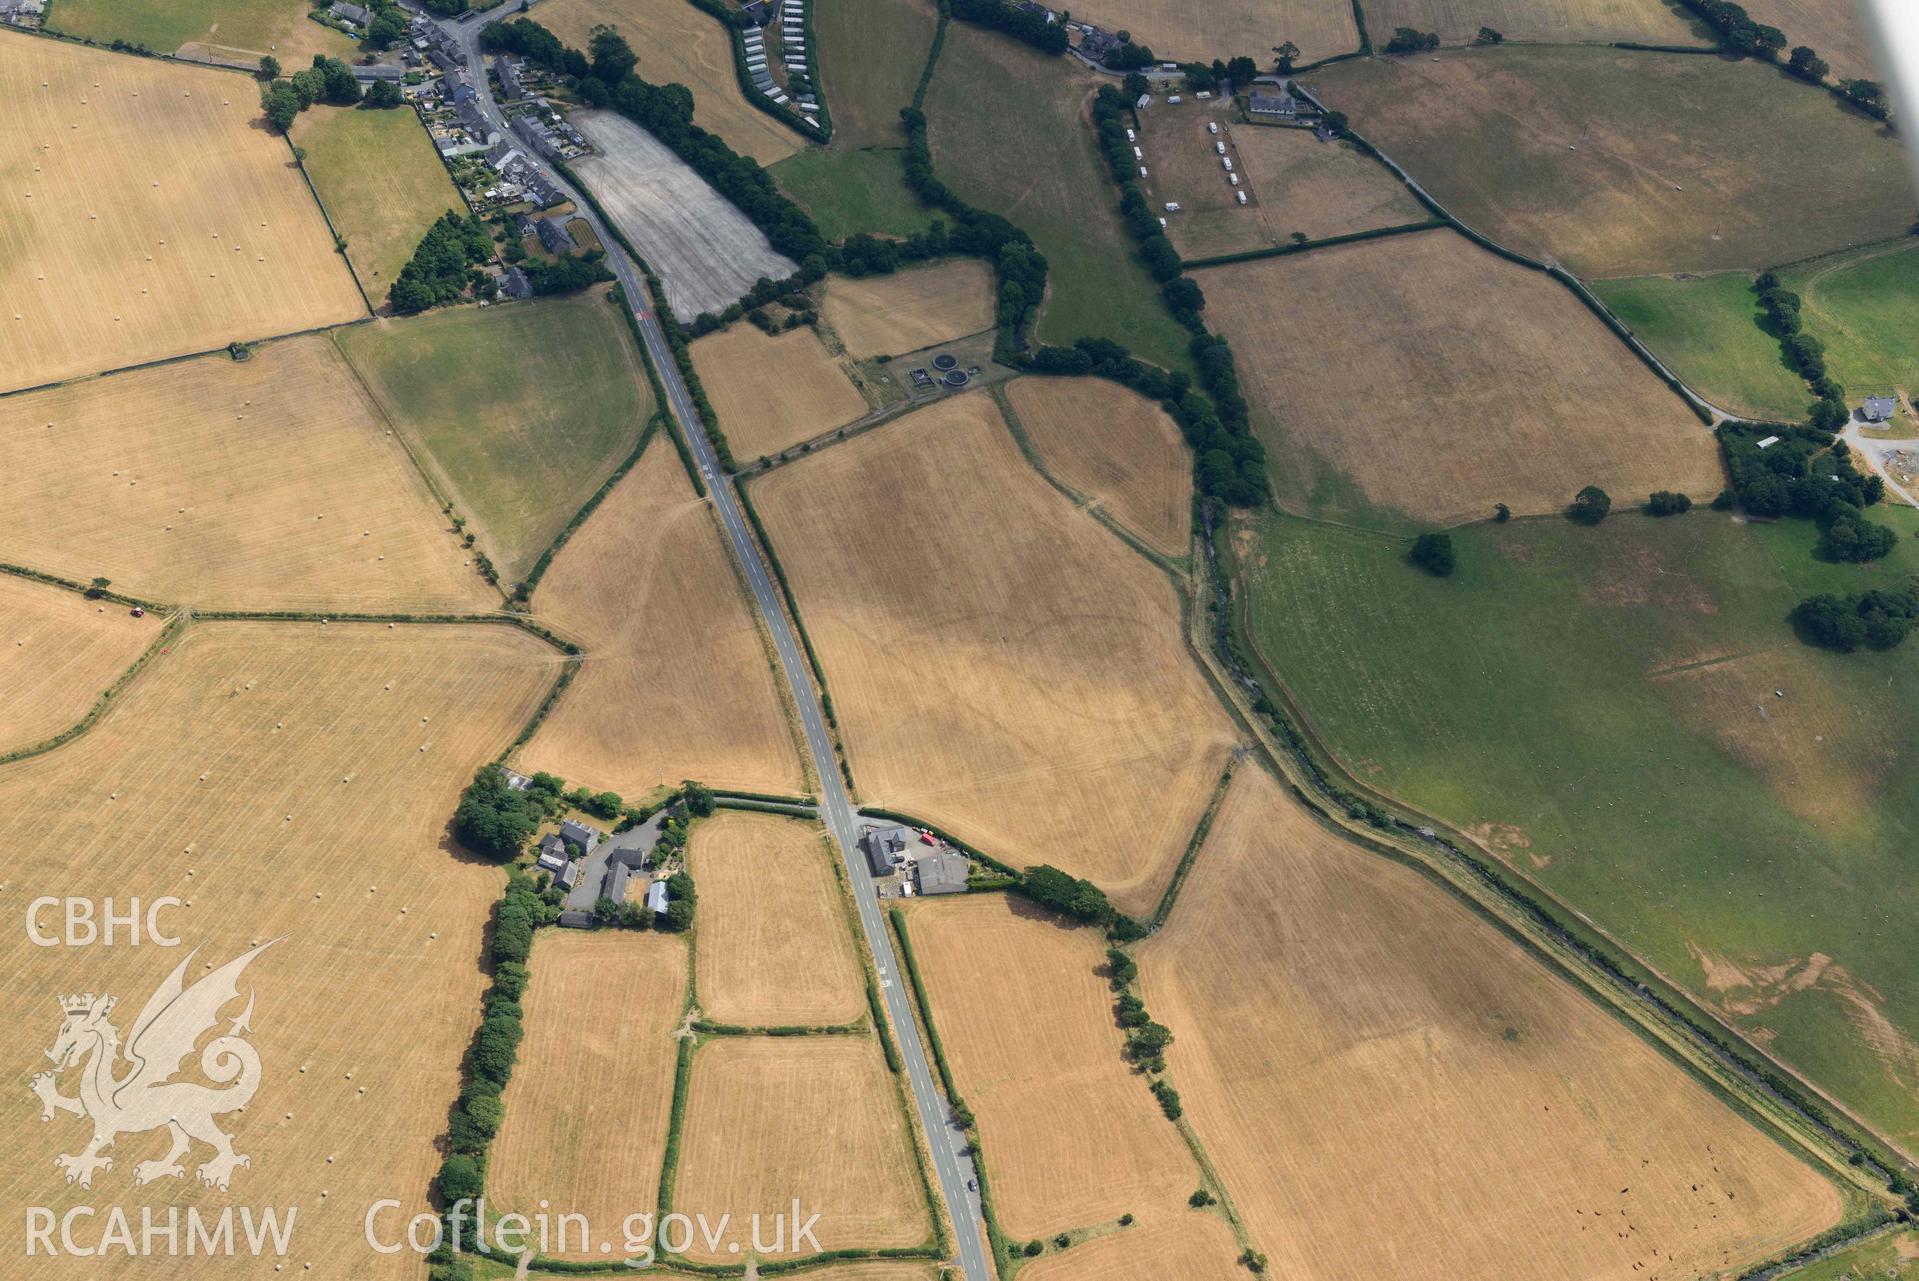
[[577, 833], [1095, 44], [886, 848], [1878, 409], [555, 237], [657, 897], [474, 121], [514, 284], [353, 13], [509, 73], [940, 871], [1273, 104]]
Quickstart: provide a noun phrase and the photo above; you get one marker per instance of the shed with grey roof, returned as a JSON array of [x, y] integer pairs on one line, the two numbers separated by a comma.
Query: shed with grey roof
[[940, 871]]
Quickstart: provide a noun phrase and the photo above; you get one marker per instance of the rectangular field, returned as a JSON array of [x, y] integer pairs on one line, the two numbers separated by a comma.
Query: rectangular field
[[1620, 163], [681, 44], [1348, 1036], [1703, 328], [272, 777], [1176, 1243], [270, 483], [851, 191], [601, 1009], [773, 1118], [705, 252], [1537, 21], [774, 946], [58, 654], [1422, 379], [1114, 445], [1179, 31], [999, 662], [519, 412], [1294, 183], [279, 27], [773, 392], [382, 183], [676, 681], [1010, 132], [1071, 1134], [908, 310], [147, 215], [871, 53], [1658, 676]]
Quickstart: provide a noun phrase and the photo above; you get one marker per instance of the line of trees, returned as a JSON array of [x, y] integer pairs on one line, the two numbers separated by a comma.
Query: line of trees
[[1876, 619], [1803, 352], [1031, 28], [1742, 33]]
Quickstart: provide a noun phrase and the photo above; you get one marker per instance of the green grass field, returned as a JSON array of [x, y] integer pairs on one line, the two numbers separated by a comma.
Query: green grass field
[[1894, 1257], [853, 191], [1703, 327], [1624, 163], [1865, 307], [382, 184], [165, 25], [871, 53], [520, 412], [1011, 134], [1599, 705]]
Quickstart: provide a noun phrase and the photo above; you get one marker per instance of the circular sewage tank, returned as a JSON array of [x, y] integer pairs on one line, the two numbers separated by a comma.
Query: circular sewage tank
[[955, 378], [944, 361]]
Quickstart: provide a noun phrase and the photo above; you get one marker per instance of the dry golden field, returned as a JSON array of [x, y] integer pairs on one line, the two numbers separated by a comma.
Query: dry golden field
[[818, 1118], [1349, 1037], [999, 662], [775, 947], [265, 484], [1072, 1136], [908, 310], [1441, 379], [1551, 21], [1116, 446], [1837, 31], [145, 215], [676, 682], [1293, 181], [592, 1093], [233, 30], [58, 653], [1192, 1245], [678, 43], [1625, 163], [1179, 31], [772, 392], [287, 781]]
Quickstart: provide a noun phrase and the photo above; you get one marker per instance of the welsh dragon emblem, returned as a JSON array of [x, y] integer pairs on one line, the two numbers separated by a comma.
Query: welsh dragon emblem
[[131, 1091]]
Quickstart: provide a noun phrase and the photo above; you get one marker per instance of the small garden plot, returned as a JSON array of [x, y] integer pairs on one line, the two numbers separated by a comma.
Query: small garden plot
[[284, 781], [590, 1100], [148, 214], [676, 681], [911, 309], [1071, 1134], [1116, 446], [775, 947], [772, 392], [814, 1118], [58, 653], [1420, 378], [1000, 664], [1308, 981], [706, 253], [271, 483]]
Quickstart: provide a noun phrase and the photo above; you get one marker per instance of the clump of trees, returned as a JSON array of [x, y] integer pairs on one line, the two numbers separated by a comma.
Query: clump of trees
[[328, 80], [1031, 28], [1738, 29], [1433, 553], [496, 821], [1068, 895], [1489, 36], [1875, 619], [1804, 353], [1664, 502], [1805, 473], [383, 95], [441, 268], [1589, 506], [1412, 40]]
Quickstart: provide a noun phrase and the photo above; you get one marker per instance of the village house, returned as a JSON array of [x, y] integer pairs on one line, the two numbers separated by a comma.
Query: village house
[[1878, 409], [555, 237], [352, 13], [1273, 104]]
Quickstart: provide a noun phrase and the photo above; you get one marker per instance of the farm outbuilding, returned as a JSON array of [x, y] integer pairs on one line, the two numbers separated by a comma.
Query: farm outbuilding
[[1878, 409], [940, 871]]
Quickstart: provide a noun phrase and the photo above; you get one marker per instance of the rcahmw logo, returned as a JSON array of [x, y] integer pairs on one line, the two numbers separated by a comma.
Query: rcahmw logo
[[131, 1090]]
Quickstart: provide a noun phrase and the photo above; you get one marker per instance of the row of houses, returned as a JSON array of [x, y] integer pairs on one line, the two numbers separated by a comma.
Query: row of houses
[[518, 175], [435, 44], [552, 138]]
